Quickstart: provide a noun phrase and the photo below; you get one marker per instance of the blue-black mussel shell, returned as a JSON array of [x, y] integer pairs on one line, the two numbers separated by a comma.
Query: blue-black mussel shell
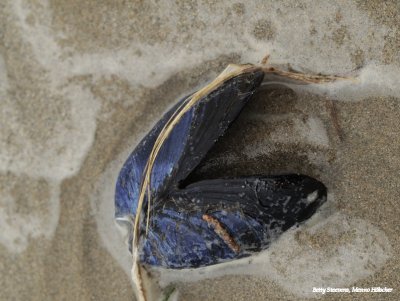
[[251, 211]]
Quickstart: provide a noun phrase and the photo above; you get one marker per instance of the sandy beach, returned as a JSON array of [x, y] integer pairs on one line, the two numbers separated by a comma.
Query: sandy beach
[[81, 82]]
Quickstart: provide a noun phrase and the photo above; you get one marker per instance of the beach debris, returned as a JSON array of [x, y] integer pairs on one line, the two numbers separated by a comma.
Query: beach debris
[[213, 220]]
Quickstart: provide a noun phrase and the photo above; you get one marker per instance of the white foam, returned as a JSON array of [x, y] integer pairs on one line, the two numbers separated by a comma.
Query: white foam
[[18, 229], [61, 152], [27, 147], [3, 77], [102, 203], [157, 62], [315, 132], [52, 153], [297, 44]]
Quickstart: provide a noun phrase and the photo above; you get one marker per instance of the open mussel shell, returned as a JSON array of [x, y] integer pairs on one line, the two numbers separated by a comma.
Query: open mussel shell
[[209, 221]]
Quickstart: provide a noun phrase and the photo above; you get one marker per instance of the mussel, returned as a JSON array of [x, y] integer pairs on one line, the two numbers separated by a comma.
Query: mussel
[[175, 224]]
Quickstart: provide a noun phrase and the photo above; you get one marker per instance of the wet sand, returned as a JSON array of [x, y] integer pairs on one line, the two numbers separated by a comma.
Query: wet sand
[[82, 82]]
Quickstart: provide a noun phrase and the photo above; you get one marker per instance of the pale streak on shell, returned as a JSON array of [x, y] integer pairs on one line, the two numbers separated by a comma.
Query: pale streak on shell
[[221, 232]]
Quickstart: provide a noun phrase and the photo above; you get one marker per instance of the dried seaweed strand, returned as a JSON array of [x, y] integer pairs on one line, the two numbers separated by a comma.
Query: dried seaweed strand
[[305, 78]]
